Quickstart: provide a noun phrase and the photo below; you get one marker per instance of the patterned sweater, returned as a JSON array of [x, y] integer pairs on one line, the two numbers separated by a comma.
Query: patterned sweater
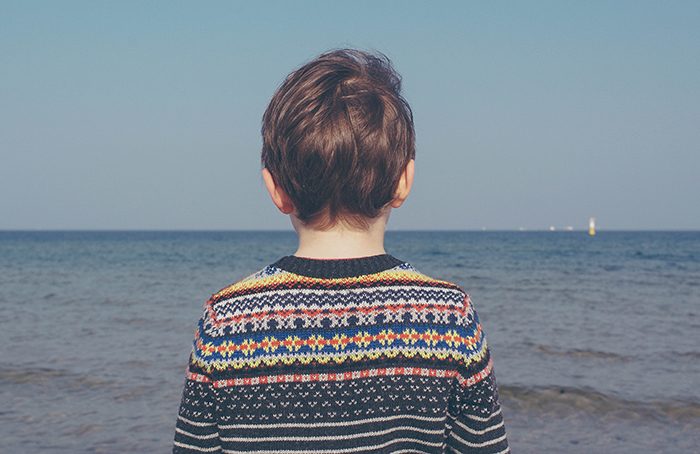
[[340, 356]]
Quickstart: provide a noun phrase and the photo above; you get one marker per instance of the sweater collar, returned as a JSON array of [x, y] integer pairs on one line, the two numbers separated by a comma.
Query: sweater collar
[[337, 268]]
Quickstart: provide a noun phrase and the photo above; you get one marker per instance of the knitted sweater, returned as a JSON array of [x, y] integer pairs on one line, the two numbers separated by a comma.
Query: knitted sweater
[[340, 356]]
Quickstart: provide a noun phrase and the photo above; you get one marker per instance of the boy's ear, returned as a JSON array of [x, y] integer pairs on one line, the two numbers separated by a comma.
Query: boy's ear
[[405, 183], [279, 197]]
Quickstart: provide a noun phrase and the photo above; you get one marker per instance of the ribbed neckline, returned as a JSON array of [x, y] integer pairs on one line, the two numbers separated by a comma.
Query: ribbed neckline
[[337, 268]]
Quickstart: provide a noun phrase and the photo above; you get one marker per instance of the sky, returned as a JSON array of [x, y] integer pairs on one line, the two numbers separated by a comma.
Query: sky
[[146, 115]]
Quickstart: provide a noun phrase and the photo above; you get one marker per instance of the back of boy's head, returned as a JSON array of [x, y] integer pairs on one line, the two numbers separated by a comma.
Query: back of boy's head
[[336, 137]]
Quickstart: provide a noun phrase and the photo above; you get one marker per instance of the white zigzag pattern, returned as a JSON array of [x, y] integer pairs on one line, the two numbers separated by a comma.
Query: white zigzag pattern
[[289, 315]]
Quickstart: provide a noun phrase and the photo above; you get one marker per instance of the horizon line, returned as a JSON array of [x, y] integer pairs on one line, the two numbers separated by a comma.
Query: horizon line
[[518, 230]]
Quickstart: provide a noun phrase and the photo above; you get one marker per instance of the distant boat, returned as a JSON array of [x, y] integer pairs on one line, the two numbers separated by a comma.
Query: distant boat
[[591, 226]]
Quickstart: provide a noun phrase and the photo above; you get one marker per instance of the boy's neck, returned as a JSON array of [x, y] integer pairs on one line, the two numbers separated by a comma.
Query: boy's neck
[[341, 241]]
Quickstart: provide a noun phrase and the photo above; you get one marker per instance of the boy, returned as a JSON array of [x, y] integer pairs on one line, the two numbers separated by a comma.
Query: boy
[[339, 348]]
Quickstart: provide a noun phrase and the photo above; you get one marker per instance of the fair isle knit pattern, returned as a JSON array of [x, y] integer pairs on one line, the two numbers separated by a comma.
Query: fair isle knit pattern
[[340, 356]]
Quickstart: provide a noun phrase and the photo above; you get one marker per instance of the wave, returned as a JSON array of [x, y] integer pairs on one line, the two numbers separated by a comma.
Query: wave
[[685, 355], [42, 376], [595, 354], [46, 381], [566, 402], [576, 353]]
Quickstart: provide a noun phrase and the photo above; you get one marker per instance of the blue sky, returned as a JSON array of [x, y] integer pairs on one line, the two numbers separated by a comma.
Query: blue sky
[[146, 115]]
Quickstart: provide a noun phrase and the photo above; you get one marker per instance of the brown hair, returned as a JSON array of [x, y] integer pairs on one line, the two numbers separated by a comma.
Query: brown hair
[[336, 137]]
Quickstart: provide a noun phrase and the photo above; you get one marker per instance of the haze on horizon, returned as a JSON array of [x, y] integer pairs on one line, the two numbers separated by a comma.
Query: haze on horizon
[[532, 114]]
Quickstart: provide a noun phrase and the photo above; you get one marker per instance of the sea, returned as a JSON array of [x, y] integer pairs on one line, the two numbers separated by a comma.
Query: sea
[[595, 339]]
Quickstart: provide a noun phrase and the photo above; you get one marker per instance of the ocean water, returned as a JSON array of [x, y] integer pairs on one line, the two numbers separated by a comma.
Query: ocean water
[[596, 340]]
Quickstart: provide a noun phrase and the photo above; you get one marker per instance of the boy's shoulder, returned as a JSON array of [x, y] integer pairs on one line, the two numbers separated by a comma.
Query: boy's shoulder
[[402, 278]]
